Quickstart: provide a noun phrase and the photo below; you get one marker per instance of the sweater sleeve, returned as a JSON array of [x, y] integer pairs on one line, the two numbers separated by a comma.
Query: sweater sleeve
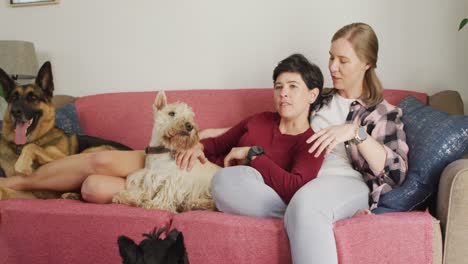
[[304, 169], [394, 143], [217, 148]]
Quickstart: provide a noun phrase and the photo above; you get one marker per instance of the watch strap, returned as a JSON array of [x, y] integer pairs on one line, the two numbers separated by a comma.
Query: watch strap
[[254, 151]]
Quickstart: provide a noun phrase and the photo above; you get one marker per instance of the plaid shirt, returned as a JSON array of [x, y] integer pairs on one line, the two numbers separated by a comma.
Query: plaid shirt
[[383, 123]]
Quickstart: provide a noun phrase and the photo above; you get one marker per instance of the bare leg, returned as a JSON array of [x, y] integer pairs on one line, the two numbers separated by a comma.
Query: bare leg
[[101, 188], [69, 173]]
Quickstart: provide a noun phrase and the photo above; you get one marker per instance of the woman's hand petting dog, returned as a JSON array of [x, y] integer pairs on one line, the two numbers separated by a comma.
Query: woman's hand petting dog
[[186, 159], [331, 136], [239, 154]]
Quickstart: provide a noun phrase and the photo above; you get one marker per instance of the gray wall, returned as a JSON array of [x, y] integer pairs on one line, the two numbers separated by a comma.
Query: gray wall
[[121, 45]]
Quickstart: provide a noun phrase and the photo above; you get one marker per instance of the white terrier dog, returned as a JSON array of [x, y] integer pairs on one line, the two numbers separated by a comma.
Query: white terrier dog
[[161, 184]]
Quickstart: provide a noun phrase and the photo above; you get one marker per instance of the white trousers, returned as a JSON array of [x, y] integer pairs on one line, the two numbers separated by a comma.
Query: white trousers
[[309, 216]]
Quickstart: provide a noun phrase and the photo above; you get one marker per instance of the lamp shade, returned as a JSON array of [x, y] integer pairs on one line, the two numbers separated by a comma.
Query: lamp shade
[[18, 58]]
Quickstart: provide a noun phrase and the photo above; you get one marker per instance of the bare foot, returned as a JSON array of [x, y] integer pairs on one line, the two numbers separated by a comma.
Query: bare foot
[[363, 212], [12, 182]]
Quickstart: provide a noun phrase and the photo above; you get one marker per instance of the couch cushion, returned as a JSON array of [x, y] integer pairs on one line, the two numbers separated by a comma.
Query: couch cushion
[[66, 118], [388, 238], [435, 139], [213, 237], [127, 117], [65, 231]]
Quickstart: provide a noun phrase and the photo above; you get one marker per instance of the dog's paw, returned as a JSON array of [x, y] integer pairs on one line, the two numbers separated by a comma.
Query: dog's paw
[[117, 199], [158, 206], [148, 205], [23, 166], [122, 198], [72, 196], [6, 193], [203, 205]]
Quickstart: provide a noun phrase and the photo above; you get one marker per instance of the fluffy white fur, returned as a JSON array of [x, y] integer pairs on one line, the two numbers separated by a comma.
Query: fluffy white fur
[[161, 184]]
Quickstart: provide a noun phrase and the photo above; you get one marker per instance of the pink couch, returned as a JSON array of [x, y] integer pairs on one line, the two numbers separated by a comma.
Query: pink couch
[[62, 231]]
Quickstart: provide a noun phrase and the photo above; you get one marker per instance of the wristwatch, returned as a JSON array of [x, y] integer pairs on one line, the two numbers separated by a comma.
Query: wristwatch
[[360, 136], [254, 151]]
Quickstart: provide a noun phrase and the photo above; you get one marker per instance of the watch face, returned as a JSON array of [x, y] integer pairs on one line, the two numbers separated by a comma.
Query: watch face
[[362, 133], [256, 150]]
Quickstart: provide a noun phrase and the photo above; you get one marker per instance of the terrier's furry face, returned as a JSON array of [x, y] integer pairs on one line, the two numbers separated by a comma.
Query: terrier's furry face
[[174, 124]]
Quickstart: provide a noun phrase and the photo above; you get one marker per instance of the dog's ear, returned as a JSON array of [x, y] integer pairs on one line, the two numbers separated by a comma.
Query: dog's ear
[[173, 235], [45, 79], [128, 250], [160, 102], [7, 83], [181, 250], [177, 252]]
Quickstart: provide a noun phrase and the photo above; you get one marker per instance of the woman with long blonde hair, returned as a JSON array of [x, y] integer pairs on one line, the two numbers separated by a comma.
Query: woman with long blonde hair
[[365, 145]]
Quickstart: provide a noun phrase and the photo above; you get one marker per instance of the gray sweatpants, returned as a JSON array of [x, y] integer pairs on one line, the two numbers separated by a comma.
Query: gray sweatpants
[[309, 216]]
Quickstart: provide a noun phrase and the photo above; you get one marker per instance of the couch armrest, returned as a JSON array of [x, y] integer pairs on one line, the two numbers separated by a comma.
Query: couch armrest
[[447, 101], [61, 100], [452, 211]]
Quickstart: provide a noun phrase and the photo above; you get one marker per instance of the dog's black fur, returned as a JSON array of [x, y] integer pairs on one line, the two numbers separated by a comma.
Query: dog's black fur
[[154, 250]]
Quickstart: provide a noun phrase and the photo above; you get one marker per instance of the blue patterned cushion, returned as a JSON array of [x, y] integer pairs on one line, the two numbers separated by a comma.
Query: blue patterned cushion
[[435, 139], [66, 118]]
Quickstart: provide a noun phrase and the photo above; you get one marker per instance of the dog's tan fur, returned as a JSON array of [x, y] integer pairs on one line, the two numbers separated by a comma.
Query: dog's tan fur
[[161, 184], [44, 142]]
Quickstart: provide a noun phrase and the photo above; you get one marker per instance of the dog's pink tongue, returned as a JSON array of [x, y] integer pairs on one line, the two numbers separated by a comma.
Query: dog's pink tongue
[[20, 133]]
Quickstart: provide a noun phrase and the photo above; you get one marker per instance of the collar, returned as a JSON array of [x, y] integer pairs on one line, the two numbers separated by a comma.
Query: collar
[[329, 92], [156, 150]]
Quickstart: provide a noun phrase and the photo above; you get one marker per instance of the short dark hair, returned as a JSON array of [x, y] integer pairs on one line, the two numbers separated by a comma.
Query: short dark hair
[[310, 73]]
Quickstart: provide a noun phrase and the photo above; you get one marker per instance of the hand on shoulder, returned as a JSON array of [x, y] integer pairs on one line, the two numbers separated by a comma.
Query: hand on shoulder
[[328, 138]]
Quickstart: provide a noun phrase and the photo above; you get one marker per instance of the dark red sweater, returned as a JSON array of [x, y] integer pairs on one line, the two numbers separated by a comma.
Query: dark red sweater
[[286, 165]]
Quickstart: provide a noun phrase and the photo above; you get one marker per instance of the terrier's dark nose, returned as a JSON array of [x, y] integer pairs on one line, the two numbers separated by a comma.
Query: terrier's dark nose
[[188, 127]]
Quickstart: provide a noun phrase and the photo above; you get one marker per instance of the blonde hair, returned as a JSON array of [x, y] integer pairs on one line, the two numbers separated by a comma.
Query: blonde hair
[[366, 45]]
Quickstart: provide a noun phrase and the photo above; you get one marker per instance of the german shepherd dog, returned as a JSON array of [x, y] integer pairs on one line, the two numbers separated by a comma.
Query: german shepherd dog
[[29, 137]]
